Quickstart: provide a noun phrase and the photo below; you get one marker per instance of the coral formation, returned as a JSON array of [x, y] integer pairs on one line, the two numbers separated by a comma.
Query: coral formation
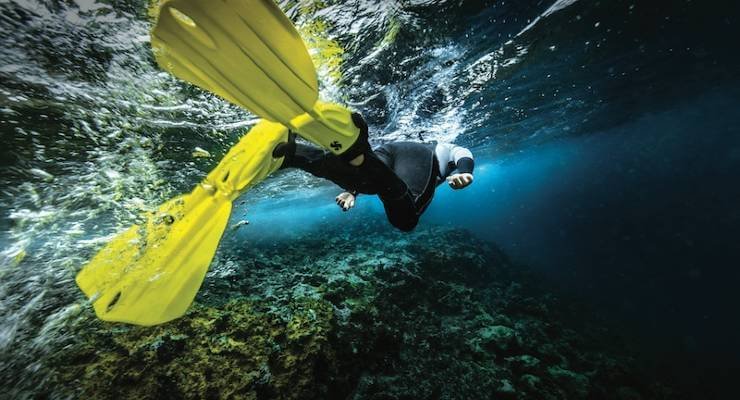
[[367, 314], [235, 351]]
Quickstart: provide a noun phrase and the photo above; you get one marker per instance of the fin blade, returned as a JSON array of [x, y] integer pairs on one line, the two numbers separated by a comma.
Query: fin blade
[[246, 51], [148, 278], [100, 272], [150, 274]]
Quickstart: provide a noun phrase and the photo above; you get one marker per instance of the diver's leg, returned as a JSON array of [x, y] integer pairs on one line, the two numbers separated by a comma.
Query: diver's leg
[[401, 212], [309, 159], [388, 184], [415, 171], [317, 162], [398, 201]]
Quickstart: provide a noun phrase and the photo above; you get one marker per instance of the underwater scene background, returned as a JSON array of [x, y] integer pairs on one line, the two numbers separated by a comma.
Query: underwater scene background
[[595, 256]]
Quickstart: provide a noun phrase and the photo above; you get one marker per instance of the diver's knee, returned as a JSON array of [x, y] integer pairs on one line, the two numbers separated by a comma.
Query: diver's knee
[[408, 228], [404, 226]]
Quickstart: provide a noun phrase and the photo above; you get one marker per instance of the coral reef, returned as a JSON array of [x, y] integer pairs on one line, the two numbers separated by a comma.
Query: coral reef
[[232, 352], [361, 314]]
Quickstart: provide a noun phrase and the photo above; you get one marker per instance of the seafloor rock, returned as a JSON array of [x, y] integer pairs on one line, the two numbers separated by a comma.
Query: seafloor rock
[[362, 314], [234, 351]]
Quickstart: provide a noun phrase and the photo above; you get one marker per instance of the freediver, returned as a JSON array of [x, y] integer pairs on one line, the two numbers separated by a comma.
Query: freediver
[[404, 175], [250, 54]]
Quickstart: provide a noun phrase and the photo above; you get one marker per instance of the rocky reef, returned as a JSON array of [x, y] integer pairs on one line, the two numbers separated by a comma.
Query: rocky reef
[[367, 313]]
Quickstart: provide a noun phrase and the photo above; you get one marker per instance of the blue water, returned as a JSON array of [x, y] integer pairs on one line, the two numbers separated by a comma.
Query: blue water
[[640, 220]]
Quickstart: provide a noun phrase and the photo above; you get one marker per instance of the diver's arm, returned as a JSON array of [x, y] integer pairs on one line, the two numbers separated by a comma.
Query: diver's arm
[[460, 162]]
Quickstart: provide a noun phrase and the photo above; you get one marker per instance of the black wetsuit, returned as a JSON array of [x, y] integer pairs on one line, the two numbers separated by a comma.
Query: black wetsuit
[[403, 174]]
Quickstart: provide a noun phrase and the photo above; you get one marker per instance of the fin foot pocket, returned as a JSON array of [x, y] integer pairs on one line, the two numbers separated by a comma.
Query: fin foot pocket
[[328, 125]]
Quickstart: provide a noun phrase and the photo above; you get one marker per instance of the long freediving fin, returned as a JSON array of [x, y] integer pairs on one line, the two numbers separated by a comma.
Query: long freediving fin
[[249, 53], [150, 274]]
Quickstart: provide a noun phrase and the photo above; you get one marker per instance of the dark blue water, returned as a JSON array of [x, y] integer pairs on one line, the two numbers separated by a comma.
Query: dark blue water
[[638, 220], [609, 160]]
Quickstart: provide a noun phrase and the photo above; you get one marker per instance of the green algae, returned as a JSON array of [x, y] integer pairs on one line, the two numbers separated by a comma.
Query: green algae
[[394, 27], [326, 53], [236, 351]]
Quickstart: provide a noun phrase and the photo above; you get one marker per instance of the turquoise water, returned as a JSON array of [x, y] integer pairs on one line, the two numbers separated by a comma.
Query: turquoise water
[[606, 141]]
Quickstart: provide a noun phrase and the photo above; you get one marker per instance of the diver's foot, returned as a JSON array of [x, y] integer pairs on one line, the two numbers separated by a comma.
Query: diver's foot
[[285, 149]]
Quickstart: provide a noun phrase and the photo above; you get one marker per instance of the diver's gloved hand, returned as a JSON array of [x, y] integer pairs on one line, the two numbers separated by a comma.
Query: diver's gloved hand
[[460, 181], [346, 201]]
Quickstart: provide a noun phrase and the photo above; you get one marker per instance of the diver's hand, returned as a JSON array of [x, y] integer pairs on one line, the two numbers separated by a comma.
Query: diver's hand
[[346, 200], [459, 181]]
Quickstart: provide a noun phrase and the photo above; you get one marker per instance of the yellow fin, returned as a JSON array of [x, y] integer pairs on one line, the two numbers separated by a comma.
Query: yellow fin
[[249, 53], [150, 274], [246, 51]]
